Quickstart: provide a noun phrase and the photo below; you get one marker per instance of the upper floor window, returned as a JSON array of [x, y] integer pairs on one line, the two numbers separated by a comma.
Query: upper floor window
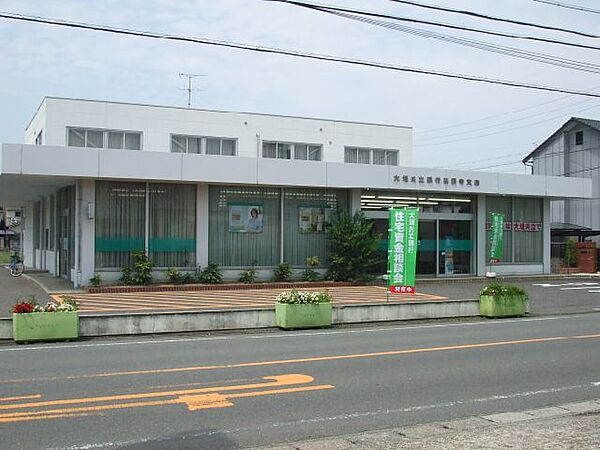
[[288, 150], [358, 155], [95, 138], [579, 138], [200, 144]]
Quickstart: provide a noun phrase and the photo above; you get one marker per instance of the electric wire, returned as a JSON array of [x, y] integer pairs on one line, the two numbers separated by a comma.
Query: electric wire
[[569, 6], [292, 53], [494, 48], [432, 23], [493, 18]]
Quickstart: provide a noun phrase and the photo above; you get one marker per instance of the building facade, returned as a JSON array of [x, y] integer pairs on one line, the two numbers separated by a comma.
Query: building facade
[[97, 180], [572, 151]]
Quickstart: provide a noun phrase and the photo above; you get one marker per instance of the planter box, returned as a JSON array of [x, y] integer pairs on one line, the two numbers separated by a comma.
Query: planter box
[[45, 326], [502, 306], [293, 316]]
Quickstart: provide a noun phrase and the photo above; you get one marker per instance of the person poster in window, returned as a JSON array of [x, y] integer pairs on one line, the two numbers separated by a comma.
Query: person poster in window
[[245, 218], [312, 219]]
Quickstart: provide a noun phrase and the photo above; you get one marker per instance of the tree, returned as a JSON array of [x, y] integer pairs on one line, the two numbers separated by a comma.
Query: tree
[[570, 253], [353, 247]]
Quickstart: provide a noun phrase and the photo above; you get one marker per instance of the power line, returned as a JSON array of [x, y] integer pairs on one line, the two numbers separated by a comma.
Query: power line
[[503, 50], [319, 7], [293, 53], [501, 131], [458, 133], [569, 6], [495, 19]]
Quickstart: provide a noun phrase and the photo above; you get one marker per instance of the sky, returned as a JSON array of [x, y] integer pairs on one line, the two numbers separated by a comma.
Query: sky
[[456, 124]]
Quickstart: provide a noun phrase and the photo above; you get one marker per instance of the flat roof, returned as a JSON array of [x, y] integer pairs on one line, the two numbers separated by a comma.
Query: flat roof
[[215, 111]]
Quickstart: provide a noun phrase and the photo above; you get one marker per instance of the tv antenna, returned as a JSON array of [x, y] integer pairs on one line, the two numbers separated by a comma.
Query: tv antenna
[[189, 89]]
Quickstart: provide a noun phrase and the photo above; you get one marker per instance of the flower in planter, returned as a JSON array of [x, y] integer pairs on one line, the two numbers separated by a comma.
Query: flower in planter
[[68, 304], [25, 307], [303, 297]]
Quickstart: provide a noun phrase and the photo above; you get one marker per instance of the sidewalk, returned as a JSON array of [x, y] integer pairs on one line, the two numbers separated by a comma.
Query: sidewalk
[[568, 426]]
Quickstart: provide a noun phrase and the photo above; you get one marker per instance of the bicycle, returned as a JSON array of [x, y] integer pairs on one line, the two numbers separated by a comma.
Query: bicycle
[[16, 266]]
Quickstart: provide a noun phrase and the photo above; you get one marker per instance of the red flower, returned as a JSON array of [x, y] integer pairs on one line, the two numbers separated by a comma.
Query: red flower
[[23, 308]]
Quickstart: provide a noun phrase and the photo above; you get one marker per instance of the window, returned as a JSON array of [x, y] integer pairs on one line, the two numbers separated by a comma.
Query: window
[[194, 144], [579, 138], [299, 151], [94, 138], [357, 155]]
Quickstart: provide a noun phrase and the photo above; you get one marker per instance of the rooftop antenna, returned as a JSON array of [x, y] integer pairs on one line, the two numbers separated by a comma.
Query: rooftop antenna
[[189, 89]]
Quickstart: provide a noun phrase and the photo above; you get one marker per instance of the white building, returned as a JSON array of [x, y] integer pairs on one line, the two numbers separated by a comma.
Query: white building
[[97, 180]]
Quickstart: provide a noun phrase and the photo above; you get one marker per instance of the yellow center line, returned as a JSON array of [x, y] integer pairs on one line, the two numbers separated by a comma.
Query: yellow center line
[[307, 359], [20, 397]]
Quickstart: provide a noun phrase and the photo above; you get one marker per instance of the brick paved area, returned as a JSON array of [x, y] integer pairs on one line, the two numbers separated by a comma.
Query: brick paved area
[[226, 299]]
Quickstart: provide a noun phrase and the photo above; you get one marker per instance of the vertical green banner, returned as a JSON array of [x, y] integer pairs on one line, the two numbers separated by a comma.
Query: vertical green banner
[[496, 237], [402, 249]]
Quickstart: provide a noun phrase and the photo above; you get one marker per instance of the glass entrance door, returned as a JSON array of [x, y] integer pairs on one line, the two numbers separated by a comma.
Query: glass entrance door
[[455, 247], [426, 255]]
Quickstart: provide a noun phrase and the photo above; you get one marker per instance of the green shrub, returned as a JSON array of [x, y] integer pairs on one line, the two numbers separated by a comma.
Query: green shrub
[[188, 278], [283, 272], [248, 275], [570, 253], [174, 276], [212, 274], [96, 280], [353, 247], [498, 289], [142, 268], [126, 278], [309, 273]]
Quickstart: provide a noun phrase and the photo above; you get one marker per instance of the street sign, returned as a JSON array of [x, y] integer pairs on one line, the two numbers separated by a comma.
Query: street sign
[[402, 249]]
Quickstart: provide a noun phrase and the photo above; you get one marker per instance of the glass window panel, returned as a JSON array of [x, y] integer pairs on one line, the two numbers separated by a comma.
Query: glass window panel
[[364, 156], [240, 249], [305, 214], [194, 144], [133, 141], [94, 139], [392, 158], [115, 139], [172, 225], [527, 230], [178, 143], [119, 221], [76, 137], [228, 147], [314, 153], [213, 146], [379, 157], [301, 151], [269, 150], [284, 151], [350, 155]]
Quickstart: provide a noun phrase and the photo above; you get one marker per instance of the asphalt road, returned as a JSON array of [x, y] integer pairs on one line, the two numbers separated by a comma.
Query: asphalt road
[[243, 390]]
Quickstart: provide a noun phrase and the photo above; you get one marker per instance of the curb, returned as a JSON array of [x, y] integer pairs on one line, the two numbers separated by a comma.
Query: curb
[[414, 434], [48, 291]]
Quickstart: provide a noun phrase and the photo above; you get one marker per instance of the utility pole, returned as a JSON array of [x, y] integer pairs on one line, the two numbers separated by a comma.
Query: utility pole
[[189, 89]]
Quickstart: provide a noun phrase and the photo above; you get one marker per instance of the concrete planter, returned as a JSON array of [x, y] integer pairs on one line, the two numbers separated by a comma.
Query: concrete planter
[[502, 305], [294, 316], [45, 326]]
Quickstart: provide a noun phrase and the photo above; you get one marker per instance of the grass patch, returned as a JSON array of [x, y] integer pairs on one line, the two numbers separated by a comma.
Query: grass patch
[[4, 257]]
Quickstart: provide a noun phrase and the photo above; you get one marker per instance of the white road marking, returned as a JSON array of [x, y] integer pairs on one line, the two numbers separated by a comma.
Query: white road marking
[[566, 284], [348, 416], [288, 335]]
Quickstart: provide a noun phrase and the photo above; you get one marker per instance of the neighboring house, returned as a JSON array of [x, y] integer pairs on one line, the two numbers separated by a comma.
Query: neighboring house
[[10, 231], [572, 151], [97, 180]]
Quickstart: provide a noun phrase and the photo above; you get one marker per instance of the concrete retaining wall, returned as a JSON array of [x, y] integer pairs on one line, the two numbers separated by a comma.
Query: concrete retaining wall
[[150, 323]]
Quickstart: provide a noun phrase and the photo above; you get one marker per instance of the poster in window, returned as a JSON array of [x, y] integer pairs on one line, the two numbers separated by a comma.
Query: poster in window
[[245, 218], [312, 219]]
